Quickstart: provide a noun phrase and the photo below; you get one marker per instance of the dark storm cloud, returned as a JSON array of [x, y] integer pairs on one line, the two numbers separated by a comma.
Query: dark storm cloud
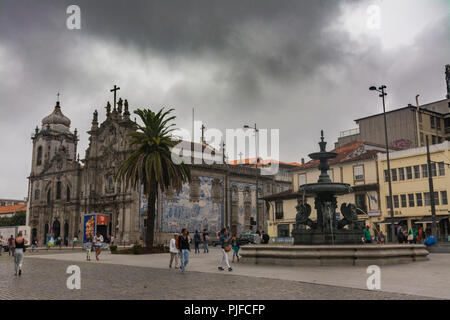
[[282, 64]]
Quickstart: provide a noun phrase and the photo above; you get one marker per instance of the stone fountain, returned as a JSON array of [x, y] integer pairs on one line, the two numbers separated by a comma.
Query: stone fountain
[[327, 240], [326, 229]]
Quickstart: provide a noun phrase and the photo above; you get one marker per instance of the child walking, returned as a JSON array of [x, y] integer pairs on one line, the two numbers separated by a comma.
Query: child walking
[[88, 248]]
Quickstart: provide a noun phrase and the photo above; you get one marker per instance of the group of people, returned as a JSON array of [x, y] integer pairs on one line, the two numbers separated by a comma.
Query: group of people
[[379, 237], [179, 247], [96, 243], [261, 237], [411, 235]]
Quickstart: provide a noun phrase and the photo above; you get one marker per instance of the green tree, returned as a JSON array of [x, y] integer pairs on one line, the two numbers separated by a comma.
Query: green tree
[[150, 163]]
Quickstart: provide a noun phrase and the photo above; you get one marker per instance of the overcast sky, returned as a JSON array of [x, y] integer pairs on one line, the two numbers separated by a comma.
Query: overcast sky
[[297, 66]]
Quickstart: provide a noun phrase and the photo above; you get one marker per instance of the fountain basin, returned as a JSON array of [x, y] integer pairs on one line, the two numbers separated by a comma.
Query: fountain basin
[[334, 188], [328, 255]]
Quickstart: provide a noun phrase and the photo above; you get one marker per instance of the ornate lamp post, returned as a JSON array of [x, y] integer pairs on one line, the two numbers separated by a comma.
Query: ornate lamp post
[[257, 160]]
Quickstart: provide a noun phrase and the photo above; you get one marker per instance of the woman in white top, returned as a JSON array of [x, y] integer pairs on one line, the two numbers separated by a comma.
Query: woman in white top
[[98, 241], [174, 251]]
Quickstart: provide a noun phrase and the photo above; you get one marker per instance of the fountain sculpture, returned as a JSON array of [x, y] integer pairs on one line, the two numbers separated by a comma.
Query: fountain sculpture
[[327, 229]]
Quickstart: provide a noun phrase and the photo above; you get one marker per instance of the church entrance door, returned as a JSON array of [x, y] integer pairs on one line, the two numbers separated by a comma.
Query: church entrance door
[[56, 229]]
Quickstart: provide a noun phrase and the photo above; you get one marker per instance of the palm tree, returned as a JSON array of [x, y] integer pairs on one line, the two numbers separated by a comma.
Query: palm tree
[[150, 164]]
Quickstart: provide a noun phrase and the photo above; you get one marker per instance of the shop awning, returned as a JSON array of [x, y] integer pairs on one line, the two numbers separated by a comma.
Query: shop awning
[[389, 220], [428, 219]]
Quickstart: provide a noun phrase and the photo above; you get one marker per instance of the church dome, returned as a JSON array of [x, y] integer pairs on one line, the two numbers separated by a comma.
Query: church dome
[[56, 120]]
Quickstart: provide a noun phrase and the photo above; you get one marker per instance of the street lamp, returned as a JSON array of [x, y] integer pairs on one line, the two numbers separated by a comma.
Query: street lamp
[[257, 158], [391, 205]]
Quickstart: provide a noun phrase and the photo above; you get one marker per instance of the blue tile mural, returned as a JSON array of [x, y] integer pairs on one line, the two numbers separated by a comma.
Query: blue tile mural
[[183, 213]]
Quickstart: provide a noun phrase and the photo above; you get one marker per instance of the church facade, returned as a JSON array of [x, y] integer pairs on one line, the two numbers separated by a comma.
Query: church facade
[[64, 190]]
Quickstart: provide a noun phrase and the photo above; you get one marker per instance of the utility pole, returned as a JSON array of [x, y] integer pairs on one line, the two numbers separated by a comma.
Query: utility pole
[[431, 187], [382, 92]]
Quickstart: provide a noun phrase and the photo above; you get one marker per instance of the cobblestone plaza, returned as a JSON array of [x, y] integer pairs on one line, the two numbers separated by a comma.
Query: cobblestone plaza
[[148, 277]]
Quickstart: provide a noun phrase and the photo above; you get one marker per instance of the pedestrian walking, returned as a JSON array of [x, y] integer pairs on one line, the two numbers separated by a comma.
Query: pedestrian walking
[[98, 242], [205, 236], [185, 249], [88, 248], [257, 238], [112, 240], [420, 235], [226, 247], [235, 245], [264, 237], [19, 246], [367, 235], [11, 246], [1, 244], [74, 242], [34, 244], [174, 250], [196, 241]]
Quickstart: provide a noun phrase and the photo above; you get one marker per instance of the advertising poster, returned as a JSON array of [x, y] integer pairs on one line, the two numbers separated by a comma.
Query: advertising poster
[[89, 226]]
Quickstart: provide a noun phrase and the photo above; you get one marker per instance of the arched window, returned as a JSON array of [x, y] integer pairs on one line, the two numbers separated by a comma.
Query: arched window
[[49, 195], [68, 194], [58, 190], [37, 193], [39, 156]]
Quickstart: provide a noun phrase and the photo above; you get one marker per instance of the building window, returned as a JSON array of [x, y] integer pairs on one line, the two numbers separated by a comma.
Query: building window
[[68, 194], [432, 122], [444, 197], [396, 203], [388, 202], [358, 173], [279, 210], [37, 194], [360, 201], [426, 195], [419, 199], [433, 139], [441, 167], [39, 156], [394, 174], [416, 172], [386, 176], [49, 195], [424, 171], [401, 174], [409, 173], [436, 198], [283, 230], [433, 169], [301, 179], [421, 139], [341, 170], [439, 139], [411, 199], [58, 190], [438, 123], [403, 200]]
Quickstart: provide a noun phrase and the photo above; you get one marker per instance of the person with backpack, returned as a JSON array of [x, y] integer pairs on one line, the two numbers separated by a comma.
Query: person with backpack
[[196, 241], [226, 247], [205, 241], [174, 250]]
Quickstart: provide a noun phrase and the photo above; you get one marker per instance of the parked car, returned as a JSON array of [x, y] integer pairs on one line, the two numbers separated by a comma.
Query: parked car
[[247, 238]]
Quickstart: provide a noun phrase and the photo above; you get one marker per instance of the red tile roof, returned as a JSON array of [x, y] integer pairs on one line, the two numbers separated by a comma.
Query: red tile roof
[[13, 209], [343, 155]]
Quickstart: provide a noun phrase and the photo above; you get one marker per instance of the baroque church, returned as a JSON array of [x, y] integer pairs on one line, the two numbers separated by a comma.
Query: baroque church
[[63, 189]]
